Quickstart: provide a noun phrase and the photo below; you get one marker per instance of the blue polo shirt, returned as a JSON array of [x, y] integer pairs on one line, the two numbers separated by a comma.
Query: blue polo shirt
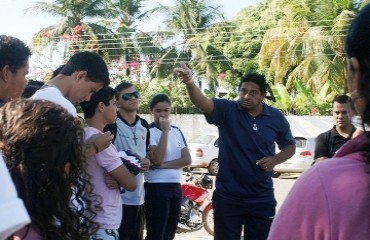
[[244, 140]]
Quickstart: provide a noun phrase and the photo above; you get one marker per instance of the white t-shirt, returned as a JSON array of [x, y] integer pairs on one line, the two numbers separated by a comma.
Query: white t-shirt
[[13, 214], [54, 95], [176, 142], [123, 142]]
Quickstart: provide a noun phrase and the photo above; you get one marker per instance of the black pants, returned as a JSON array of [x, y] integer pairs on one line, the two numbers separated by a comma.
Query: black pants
[[132, 224], [162, 208], [230, 216]]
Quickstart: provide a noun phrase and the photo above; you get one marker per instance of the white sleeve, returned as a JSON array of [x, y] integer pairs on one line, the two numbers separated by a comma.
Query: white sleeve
[[13, 214]]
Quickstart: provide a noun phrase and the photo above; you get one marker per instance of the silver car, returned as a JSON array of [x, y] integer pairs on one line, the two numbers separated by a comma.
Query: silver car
[[301, 160]]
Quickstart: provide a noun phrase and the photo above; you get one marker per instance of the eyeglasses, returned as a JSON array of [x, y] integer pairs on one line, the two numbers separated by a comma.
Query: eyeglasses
[[128, 96]]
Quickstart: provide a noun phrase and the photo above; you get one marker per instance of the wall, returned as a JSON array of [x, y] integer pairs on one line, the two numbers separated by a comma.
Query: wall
[[302, 126]]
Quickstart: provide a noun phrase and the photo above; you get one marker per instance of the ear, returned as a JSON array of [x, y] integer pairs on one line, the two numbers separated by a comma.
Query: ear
[[81, 75], [353, 77], [5, 72], [100, 107]]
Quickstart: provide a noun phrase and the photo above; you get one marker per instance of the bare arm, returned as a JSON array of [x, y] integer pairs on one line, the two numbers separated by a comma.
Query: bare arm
[[157, 152], [196, 96], [124, 177], [181, 162]]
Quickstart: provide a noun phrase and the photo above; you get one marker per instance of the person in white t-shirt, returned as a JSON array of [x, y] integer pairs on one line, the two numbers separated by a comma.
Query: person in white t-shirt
[[84, 74], [168, 154]]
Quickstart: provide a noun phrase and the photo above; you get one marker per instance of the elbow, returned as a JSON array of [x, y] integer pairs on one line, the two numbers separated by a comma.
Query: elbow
[[187, 161], [131, 187]]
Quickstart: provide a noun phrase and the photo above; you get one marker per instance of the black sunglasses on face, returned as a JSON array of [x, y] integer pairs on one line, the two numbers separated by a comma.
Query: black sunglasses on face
[[128, 96]]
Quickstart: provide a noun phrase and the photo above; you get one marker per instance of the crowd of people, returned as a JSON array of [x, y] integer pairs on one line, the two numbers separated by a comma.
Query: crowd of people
[[111, 174]]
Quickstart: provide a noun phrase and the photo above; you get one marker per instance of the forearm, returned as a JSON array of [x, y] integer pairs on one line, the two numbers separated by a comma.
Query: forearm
[[284, 154], [198, 99], [181, 162], [177, 163], [158, 153]]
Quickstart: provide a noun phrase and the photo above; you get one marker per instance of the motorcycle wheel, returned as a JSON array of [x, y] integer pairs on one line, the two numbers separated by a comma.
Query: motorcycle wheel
[[208, 219]]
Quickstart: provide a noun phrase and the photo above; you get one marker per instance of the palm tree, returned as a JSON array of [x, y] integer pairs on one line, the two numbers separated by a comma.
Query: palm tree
[[73, 29], [307, 45], [138, 47], [187, 19]]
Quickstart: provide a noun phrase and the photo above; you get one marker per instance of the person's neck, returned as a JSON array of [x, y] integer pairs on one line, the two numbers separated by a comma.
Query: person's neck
[[256, 111], [129, 116], [96, 122], [344, 131], [60, 83]]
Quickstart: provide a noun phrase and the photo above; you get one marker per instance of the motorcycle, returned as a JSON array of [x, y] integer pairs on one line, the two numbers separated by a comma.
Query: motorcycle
[[196, 207]]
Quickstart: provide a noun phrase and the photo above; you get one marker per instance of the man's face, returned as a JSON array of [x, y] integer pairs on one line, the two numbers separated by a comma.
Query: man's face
[[14, 83], [341, 114], [127, 101], [111, 111], [250, 95], [82, 90]]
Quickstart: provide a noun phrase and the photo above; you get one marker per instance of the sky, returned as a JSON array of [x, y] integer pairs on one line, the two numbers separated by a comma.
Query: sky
[[15, 22]]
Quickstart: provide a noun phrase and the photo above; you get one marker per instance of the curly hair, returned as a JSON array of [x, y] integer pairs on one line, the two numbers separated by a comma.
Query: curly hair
[[39, 139]]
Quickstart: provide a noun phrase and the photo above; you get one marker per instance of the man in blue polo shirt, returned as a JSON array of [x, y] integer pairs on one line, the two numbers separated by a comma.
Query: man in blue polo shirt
[[248, 130]]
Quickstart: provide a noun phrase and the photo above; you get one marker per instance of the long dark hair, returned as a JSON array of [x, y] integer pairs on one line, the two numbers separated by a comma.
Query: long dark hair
[[38, 139]]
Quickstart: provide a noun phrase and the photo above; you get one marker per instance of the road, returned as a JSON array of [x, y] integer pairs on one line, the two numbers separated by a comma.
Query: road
[[282, 187]]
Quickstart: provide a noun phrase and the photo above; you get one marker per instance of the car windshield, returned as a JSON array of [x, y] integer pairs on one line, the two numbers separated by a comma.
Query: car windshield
[[201, 139]]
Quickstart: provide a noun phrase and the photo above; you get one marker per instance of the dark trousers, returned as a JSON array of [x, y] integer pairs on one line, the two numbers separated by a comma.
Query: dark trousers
[[162, 208], [230, 216], [132, 224]]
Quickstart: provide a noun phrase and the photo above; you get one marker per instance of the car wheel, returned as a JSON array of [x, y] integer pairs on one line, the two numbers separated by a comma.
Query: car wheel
[[276, 174], [213, 167]]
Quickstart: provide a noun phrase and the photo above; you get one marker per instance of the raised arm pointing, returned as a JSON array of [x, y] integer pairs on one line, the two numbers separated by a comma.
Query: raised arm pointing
[[196, 96]]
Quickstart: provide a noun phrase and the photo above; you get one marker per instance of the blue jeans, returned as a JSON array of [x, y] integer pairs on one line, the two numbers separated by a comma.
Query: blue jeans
[[162, 210], [230, 216]]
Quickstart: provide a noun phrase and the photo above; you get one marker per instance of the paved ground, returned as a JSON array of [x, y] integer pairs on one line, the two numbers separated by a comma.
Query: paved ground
[[282, 187]]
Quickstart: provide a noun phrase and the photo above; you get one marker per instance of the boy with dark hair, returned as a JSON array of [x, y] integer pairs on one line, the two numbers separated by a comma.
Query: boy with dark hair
[[100, 111], [84, 74], [131, 135], [14, 55]]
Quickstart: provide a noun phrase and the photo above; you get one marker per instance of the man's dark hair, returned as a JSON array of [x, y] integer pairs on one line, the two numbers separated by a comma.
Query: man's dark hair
[[57, 71], [123, 86], [341, 99], [13, 52], [104, 95], [92, 63], [255, 78]]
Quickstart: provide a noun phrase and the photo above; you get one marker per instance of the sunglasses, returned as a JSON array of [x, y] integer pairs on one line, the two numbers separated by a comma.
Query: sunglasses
[[128, 96]]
